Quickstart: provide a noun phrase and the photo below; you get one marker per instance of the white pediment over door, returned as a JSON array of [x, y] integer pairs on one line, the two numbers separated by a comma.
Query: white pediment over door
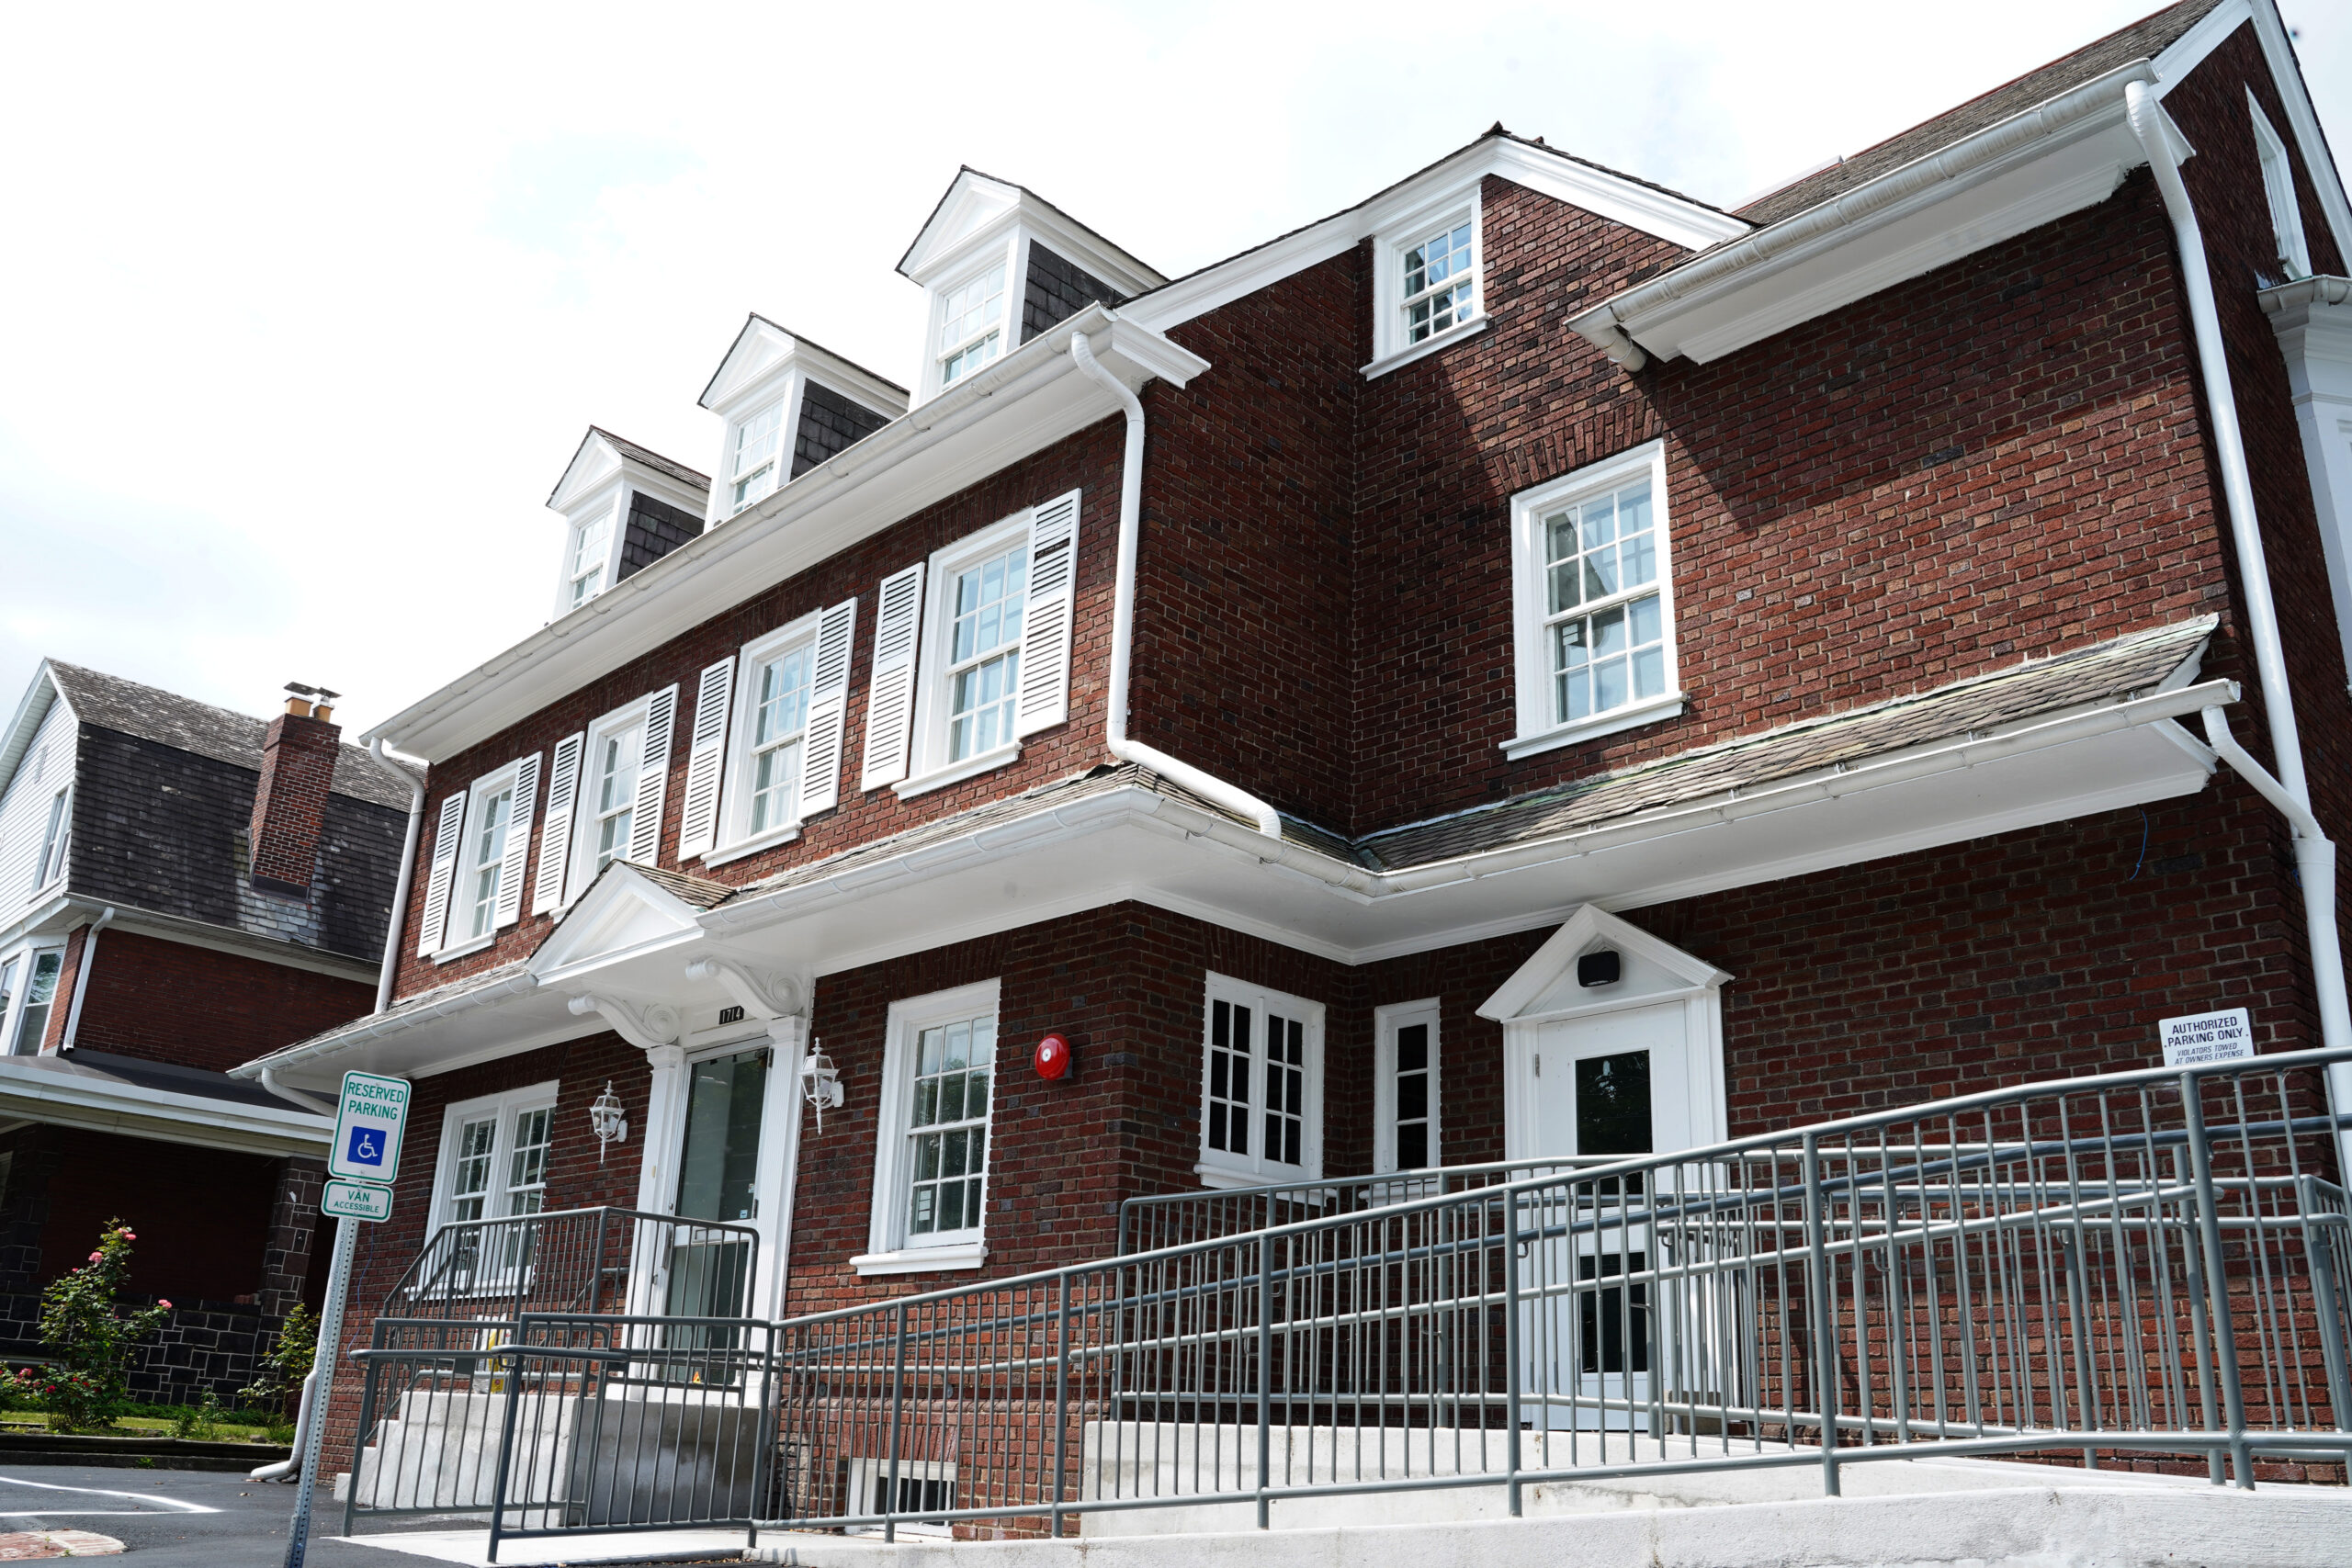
[[624, 914], [1663, 996]]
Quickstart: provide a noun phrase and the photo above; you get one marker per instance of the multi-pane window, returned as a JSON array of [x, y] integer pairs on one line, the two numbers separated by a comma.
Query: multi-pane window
[[1415, 1097], [612, 793], [1604, 624], [40, 994], [780, 720], [971, 325], [949, 1127], [476, 1150], [2278, 190], [591, 548], [758, 440], [1261, 1083], [56, 839], [8, 968], [1439, 282], [984, 653], [486, 862], [527, 1160]]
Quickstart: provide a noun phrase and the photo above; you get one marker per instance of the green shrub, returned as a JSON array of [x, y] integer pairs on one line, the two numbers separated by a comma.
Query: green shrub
[[286, 1364], [91, 1338]]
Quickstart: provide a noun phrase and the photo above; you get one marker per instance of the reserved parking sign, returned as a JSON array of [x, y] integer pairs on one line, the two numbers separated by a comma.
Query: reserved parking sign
[[367, 1128]]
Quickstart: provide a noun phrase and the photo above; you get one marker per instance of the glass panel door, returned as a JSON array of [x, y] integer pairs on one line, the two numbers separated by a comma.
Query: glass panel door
[[717, 1170]]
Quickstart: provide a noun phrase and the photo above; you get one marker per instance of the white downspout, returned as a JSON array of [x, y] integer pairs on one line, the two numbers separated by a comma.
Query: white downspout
[[1214, 790], [408, 869], [82, 981], [2314, 854]]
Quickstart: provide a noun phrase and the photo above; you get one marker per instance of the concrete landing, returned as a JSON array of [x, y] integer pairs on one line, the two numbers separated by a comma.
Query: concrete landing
[[2124, 1525], [471, 1547]]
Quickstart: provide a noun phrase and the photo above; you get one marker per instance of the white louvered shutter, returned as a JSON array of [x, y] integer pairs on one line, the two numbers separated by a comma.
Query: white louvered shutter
[[706, 761], [555, 839], [890, 685], [652, 779], [820, 749], [1046, 624], [518, 841], [447, 838]]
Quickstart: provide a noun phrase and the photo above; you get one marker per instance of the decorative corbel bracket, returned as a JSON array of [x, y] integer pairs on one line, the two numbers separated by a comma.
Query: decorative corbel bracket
[[767, 998], [648, 1028]]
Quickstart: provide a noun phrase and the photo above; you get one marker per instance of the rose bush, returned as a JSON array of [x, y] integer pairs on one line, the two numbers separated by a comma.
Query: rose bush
[[92, 1338]]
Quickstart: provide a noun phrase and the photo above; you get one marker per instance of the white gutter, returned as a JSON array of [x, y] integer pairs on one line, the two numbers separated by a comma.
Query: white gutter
[[79, 1100], [1892, 195], [408, 869], [82, 981], [1123, 621], [2314, 855]]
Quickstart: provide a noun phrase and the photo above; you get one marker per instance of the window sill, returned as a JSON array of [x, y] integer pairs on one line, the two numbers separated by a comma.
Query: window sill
[[921, 1260], [1446, 339], [444, 954], [970, 767], [752, 846], [1224, 1179], [1649, 712]]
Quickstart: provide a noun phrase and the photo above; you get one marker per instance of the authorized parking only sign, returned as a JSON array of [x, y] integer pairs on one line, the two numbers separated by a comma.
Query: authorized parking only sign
[[368, 1126]]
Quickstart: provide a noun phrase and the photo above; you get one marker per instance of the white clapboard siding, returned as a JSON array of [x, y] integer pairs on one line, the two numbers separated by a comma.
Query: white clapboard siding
[[820, 747], [890, 685], [447, 838], [652, 779], [706, 761], [47, 765], [555, 839], [1046, 624], [518, 840]]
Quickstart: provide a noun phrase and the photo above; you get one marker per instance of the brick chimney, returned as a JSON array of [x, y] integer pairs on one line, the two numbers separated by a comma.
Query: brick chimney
[[290, 805]]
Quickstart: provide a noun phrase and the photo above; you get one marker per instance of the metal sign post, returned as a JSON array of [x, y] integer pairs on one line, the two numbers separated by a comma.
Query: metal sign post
[[364, 1159]]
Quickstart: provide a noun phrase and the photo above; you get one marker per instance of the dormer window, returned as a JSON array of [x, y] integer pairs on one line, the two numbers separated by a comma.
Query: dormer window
[[758, 441], [591, 548], [971, 325]]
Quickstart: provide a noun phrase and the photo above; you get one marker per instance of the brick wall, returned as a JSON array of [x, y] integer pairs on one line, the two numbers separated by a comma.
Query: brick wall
[[168, 1001], [298, 756]]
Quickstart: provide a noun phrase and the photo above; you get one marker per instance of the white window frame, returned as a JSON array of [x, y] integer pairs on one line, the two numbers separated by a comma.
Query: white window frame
[[2278, 190], [889, 1248], [783, 404], [1218, 1167], [507, 1107], [1010, 255], [1538, 730], [1386, 1023], [866, 1472], [31, 956], [57, 839], [1392, 347], [735, 835], [584, 868], [457, 936], [616, 514], [928, 767]]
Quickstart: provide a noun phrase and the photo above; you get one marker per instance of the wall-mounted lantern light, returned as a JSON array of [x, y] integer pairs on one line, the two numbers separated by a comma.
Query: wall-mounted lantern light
[[606, 1116], [820, 1081]]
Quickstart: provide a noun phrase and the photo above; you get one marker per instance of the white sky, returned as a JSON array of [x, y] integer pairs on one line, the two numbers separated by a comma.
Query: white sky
[[302, 311]]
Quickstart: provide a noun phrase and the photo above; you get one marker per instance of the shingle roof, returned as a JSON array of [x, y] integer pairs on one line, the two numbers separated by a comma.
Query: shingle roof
[[149, 712], [652, 459], [2022, 691], [698, 891], [2144, 38]]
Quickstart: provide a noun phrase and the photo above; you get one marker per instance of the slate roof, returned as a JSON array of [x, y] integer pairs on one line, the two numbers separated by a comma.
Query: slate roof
[[2034, 689], [151, 713], [2146, 39]]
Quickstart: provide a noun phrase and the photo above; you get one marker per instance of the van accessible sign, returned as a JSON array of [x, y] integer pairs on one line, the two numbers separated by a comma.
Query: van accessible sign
[[2204, 1037], [355, 1200], [368, 1126]]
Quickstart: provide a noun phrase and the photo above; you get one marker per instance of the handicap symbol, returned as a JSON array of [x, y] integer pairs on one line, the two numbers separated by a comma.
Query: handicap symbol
[[366, 1146]]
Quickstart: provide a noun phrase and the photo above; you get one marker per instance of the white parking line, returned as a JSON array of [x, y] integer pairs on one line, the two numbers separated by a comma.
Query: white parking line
[[166, 1505]]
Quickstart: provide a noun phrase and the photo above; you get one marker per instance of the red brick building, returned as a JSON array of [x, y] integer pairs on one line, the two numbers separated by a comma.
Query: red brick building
[[182, 888], [1274, 680]]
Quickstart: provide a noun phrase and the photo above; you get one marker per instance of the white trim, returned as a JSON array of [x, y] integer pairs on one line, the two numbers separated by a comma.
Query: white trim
[[970, 767], [581, 867], [1220, 1168], [1470, 327], [736, 774], [927, 764], [471, 944], [1010, 252], [922, 1259], [1386, 1023], [1538, 729], [505, 1106], [888, 1249], [2278, 191], [38, 1089], [1442, 213], [752, 846]]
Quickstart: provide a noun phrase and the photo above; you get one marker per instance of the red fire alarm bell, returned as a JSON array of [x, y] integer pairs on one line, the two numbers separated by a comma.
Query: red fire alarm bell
[[1053, 1057]]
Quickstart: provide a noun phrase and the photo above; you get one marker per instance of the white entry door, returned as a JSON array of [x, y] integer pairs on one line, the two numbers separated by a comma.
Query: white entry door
[[1610, 1083]]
